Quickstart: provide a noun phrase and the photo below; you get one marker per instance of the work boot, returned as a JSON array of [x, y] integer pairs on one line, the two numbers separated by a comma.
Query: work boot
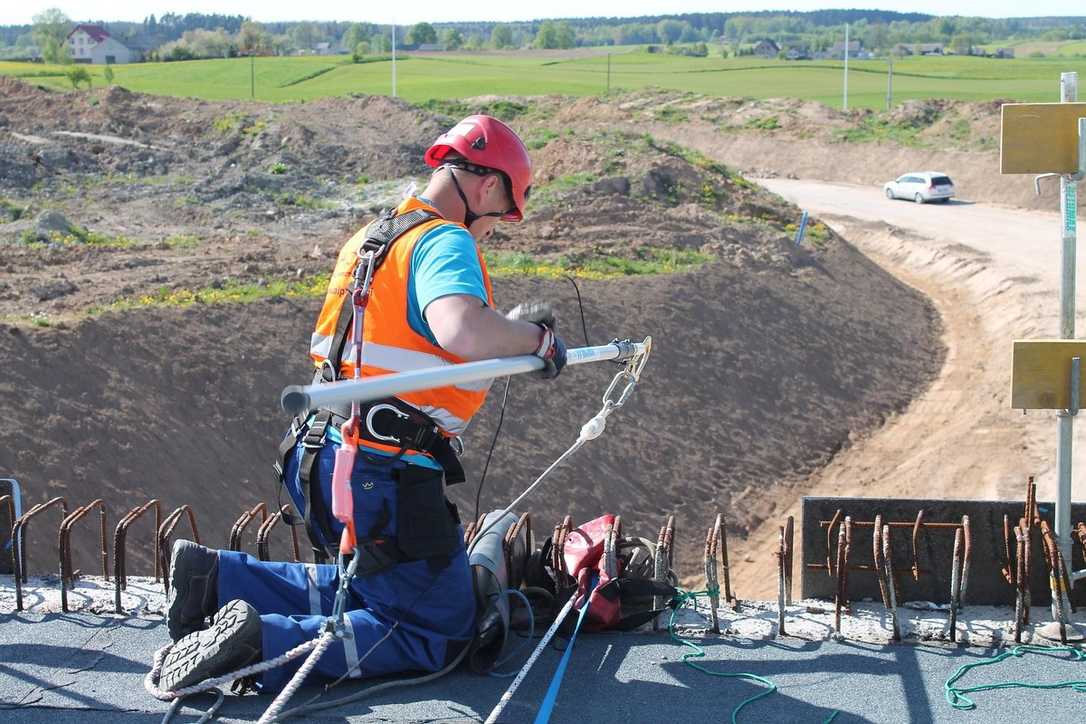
[[233, 641], [194, 588]]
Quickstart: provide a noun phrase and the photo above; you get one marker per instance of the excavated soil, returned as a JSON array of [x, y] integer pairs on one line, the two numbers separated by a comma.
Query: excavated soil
[[769, 359], [804, 139]]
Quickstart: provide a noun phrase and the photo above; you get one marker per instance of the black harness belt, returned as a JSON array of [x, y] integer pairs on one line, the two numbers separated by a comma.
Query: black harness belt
[[385, 422]]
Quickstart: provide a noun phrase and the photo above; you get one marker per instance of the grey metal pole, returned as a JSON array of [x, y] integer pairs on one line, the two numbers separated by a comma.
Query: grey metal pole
[[296, 398], [1066, 418], [394, 60], [890, 84], [844, 105]]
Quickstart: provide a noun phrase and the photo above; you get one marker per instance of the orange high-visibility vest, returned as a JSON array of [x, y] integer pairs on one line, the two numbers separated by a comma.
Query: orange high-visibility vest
[[391, 345]]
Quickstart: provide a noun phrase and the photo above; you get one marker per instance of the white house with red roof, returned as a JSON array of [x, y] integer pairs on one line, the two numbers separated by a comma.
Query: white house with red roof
[[93, 44]]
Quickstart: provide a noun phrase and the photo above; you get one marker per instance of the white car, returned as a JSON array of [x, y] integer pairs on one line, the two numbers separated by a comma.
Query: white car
[[921, 187]]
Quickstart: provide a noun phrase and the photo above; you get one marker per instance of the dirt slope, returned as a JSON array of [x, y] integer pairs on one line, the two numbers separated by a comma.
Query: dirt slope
[[181, 405], [960, 438], [768, 360]]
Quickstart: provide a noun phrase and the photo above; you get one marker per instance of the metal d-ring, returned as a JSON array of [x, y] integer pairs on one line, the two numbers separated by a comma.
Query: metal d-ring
[[369, 421]]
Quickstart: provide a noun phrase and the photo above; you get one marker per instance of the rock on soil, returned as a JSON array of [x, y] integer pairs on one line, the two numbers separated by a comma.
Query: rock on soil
[[55, 289], [49, 222]]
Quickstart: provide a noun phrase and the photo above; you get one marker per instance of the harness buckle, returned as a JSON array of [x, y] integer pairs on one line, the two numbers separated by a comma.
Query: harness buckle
[[369, 422]]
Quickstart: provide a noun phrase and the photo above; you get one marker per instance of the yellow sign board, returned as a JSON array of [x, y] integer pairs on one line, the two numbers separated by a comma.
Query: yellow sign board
[[1041, 373], [1040, 137]]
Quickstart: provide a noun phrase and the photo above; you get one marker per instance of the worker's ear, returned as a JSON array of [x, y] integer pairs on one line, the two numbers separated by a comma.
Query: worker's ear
[[493, 186]]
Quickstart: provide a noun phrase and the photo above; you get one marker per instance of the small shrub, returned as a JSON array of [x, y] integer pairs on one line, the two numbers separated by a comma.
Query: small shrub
[[765, 123], [537, 142], [256, 128], [78, 74], [227, 123], [278, 168], [10, 210], [237, 121], [302, 201], [671, 114], [182, 241], [960, 130]]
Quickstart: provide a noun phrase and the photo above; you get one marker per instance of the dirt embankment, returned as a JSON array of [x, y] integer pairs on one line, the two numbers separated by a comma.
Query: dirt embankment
[[959, 438], [756, 380], [769, 359], [804, 139]]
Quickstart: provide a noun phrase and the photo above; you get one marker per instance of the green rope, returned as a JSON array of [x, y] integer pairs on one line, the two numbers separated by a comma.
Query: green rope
[[697, 652], [957, 697]]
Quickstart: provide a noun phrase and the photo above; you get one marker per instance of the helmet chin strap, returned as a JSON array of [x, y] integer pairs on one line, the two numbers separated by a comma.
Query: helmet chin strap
[[470, 217]]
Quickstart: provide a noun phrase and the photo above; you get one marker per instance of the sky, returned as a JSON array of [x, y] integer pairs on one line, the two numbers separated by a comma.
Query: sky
[[12, 12]]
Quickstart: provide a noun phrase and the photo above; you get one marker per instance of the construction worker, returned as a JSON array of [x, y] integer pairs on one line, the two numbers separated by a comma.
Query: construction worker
[[411, 604]]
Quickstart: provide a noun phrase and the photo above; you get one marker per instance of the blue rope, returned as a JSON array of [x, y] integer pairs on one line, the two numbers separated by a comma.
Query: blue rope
[[547, 707]]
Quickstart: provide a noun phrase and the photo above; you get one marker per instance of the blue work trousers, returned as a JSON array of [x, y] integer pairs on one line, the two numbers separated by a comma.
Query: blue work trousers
[[432, 601]]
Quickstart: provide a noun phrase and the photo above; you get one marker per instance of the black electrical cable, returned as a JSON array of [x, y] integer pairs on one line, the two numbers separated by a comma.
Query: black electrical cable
[[490, 454], [584, 327], [505, 399]]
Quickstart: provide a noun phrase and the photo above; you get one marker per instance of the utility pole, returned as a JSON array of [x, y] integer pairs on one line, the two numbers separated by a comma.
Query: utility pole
[[394, 60], [890, 83], [844, 105]]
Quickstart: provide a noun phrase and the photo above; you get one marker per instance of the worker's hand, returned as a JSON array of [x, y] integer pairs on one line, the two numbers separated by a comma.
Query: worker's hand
[[552, 350], [538, 312]]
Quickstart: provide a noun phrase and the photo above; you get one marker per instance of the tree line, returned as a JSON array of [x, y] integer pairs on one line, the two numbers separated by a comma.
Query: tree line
[[174, 36]]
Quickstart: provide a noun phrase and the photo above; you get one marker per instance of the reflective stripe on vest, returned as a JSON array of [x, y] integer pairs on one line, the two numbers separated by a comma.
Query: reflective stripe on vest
[[391, 345]]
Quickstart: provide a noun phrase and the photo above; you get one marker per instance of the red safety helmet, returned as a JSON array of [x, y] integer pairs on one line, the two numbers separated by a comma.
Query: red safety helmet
[[486, 141]]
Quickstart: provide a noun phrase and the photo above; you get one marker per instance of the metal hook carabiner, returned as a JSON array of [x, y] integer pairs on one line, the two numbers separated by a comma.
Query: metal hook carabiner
[[631, 373]]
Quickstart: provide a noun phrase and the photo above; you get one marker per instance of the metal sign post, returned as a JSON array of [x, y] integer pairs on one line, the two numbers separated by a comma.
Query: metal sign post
[[1050, 139], [1069, 217]]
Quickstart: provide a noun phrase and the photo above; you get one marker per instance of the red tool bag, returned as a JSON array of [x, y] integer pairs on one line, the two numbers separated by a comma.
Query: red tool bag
[[626, 594]]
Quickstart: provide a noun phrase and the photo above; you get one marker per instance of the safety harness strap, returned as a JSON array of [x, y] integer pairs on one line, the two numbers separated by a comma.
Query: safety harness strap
[[394, 422], [309, 483], [381, 234]]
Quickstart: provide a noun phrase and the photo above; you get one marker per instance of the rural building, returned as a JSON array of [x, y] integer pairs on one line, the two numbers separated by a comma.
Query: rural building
[[855, 49], [92, 44], [1003, 53], [766, 48], [797, 53], [901, 50], [928, 49]]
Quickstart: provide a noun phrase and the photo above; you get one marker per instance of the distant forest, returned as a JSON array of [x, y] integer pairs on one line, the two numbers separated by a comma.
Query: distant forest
[[176, 36]]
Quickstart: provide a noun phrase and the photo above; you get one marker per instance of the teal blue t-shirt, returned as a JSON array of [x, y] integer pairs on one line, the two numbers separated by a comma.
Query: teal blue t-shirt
[[443, 262]]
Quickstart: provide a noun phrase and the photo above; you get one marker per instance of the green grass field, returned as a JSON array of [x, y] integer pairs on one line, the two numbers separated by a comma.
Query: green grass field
[[441, 76], [1059, 48]]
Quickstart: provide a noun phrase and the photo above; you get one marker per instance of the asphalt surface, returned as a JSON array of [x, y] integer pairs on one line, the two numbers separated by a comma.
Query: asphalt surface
[[1029, 240], [87, 668]]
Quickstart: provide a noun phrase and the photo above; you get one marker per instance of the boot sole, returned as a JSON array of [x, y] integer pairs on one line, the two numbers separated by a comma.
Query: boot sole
[[209, 653], [179, 592]]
